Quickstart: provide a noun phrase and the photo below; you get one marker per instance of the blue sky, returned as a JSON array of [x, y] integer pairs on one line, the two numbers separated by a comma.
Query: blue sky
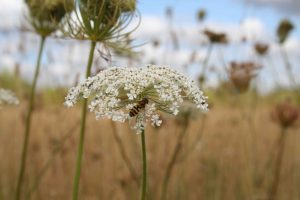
[[223, 11]]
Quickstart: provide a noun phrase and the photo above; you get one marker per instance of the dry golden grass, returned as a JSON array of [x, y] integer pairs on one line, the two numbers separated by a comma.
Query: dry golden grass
[[228, 162]]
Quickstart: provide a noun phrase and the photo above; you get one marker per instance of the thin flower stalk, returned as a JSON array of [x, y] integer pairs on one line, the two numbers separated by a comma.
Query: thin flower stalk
[[44, 18], [102, 22], [288, 66], [213, 38], [278, 165], [283, 31], [144, 158], [82, 128], [137, 95], [202, 77], [285, 115], [28, 121]]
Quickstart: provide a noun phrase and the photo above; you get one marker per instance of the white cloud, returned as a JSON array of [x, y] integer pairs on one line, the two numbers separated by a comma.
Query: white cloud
[[151, 26], [11, 13], [286, 6]]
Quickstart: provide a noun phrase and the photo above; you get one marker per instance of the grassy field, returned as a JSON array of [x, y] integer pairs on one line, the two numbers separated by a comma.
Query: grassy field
[[228, 153]]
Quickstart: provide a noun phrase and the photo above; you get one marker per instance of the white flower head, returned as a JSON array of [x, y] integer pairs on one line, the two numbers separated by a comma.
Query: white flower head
[[8, 97], [136, 94]]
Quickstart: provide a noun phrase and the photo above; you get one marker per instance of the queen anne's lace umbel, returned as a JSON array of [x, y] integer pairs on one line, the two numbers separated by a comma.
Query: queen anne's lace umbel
[[8, 97], [115, 91]]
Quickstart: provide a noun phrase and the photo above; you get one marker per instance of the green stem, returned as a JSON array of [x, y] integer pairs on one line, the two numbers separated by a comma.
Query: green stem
[[144, 178], [28, 121], [82, 127], [281, 144]]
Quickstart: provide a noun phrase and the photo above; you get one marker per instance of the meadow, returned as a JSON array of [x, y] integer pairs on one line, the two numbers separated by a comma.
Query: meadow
[[227, 153]]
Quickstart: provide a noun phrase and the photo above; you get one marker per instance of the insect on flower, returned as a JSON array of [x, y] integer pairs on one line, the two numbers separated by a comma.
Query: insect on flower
[[137, 94], [139, 106]]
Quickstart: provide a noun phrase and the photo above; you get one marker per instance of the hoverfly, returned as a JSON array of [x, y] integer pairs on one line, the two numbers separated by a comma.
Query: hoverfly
[[138, 107]]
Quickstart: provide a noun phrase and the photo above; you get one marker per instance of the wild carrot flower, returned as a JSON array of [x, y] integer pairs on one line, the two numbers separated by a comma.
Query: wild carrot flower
[[117, 92], [105, 22], [8, 97]]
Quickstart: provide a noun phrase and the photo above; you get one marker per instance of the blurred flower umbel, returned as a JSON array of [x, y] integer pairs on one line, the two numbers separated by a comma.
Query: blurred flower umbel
[[8, 97], [220, 38], [242, 73], [45, 16], [201, 14], [285, 114], [261, 48], [137, 94], [283, 30]]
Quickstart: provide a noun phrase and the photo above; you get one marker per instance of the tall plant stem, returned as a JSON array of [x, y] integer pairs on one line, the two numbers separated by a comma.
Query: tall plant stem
[[173, 160], [28, 121], [205, 65], [206, 59], [144, 177], [278, 163], [288, 65], [82, 127]]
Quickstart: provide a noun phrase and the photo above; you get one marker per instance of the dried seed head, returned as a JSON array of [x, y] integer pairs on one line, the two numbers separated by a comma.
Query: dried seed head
[[283, 30], [242, 73], [285, 114], [104, 21], [45, 16], [127, 5], [201, 15], [220, 38], [261, 49], [111, 10]]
